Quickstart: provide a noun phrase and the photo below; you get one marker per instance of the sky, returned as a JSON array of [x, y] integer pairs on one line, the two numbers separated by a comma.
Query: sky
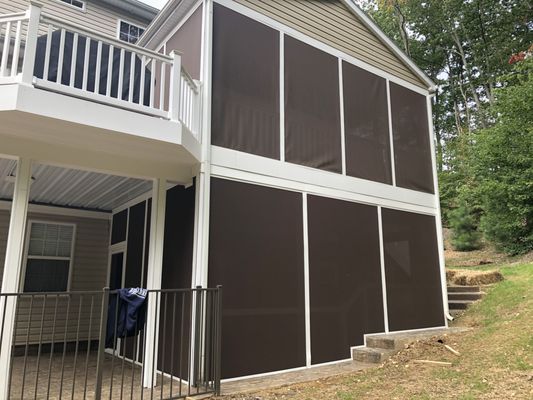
[[155, 3]]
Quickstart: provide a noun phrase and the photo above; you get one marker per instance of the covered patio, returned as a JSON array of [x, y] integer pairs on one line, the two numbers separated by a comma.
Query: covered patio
[[67, 234]]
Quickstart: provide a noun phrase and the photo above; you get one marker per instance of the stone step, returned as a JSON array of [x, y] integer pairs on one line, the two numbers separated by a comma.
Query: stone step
[[459, 304], [463, 289], [371, 355], [465, 295]]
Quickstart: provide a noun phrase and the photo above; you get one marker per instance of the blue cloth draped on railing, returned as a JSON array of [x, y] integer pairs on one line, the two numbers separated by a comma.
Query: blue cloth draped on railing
[[126, 318]]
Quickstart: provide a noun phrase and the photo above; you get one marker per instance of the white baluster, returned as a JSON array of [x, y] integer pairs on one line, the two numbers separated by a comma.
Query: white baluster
[[73, 60], [86, 63], [16, 50], [5, 51], [61, 55]]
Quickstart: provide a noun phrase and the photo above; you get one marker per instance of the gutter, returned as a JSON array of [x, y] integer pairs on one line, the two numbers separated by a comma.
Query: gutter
[[133, 7]]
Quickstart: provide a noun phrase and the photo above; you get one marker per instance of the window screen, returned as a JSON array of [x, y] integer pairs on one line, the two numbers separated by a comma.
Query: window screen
[[412, 150], [245, 84], [366, 125], [49, 256], [414, 292], [312, 107]]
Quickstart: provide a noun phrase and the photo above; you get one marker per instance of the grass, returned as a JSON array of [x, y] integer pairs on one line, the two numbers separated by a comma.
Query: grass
[[496, 360]]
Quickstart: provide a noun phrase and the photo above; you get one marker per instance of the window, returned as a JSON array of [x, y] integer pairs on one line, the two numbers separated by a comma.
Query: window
[[74, 3], [129, 32], [49, 257]]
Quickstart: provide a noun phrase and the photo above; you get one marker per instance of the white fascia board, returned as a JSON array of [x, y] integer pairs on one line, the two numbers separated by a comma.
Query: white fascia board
[[261, 170], [374, 28], [83, 112]]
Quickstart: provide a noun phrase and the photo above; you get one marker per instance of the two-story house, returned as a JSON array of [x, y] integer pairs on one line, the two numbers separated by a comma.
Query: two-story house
[[282, 149]]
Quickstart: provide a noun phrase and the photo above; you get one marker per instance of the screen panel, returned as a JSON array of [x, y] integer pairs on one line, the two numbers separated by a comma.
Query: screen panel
[[245, 113], [256, 254], [134, 260], [412, 148], [118, 231], [176, 274], [414, 292], [312, 107], [366, 125], [344, 276]]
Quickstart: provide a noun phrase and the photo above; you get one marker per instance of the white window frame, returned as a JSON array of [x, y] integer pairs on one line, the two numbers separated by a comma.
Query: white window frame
[[120, 21], [27, 247], [66, 3]]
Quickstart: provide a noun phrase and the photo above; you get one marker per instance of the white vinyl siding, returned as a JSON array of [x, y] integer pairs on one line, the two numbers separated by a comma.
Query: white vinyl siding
[[94, 17], [332, 23]]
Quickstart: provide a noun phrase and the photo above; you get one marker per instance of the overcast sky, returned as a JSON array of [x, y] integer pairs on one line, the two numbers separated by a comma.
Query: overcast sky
[[155, 3]]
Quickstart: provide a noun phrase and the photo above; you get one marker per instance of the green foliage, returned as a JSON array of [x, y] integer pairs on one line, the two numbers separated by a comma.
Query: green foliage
[[464, 224], [482, 110], [502, 164]]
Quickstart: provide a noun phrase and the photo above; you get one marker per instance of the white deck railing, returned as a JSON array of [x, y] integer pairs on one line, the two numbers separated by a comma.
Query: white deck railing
[[53, 55]]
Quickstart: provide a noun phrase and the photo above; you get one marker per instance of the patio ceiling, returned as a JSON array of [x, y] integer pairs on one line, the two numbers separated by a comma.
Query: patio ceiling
[[73, 188]]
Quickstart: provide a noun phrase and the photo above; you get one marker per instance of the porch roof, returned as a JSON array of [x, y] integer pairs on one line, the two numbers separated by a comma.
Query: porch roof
[[73, 188]]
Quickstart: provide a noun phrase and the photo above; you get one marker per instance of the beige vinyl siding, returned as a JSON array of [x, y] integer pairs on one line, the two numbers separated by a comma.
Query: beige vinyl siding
[[89, 272], [332, 23], [94, 17]]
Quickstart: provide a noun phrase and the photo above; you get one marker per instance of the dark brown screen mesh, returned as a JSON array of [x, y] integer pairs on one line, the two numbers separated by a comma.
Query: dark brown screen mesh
[[245, 84], [256, 253], [134, 259], [412, 150], [118, 231], [414, 292], [177, 274], [344, 276], [312, 107], [366, 125]]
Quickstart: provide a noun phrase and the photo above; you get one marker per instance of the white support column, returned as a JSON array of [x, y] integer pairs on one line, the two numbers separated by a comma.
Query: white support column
[[383, 277], [34, 15], [13, 265], [307, 295], [153, 279]]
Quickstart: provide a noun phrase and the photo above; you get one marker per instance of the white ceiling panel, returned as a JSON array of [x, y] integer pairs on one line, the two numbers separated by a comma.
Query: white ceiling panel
[[73, 188]]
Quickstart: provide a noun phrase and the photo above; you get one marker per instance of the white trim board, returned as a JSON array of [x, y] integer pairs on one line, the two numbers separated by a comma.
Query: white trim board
[[248, 167], [56, 210], [317, 44]]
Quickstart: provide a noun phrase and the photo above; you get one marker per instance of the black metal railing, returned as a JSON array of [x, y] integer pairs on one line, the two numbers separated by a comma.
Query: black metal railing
[[79, 345]]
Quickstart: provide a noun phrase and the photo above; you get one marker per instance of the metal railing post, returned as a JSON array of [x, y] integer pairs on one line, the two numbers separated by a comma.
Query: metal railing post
[[34, 18], [218, 341], [197, 335], [175, 87], [101, 344]]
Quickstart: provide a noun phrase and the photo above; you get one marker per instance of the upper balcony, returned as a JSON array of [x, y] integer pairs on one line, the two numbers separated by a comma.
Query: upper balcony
[[54, 73]]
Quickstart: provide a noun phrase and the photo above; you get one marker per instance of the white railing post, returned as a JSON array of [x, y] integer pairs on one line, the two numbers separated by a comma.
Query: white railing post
[[34, 18], [175, 87]]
